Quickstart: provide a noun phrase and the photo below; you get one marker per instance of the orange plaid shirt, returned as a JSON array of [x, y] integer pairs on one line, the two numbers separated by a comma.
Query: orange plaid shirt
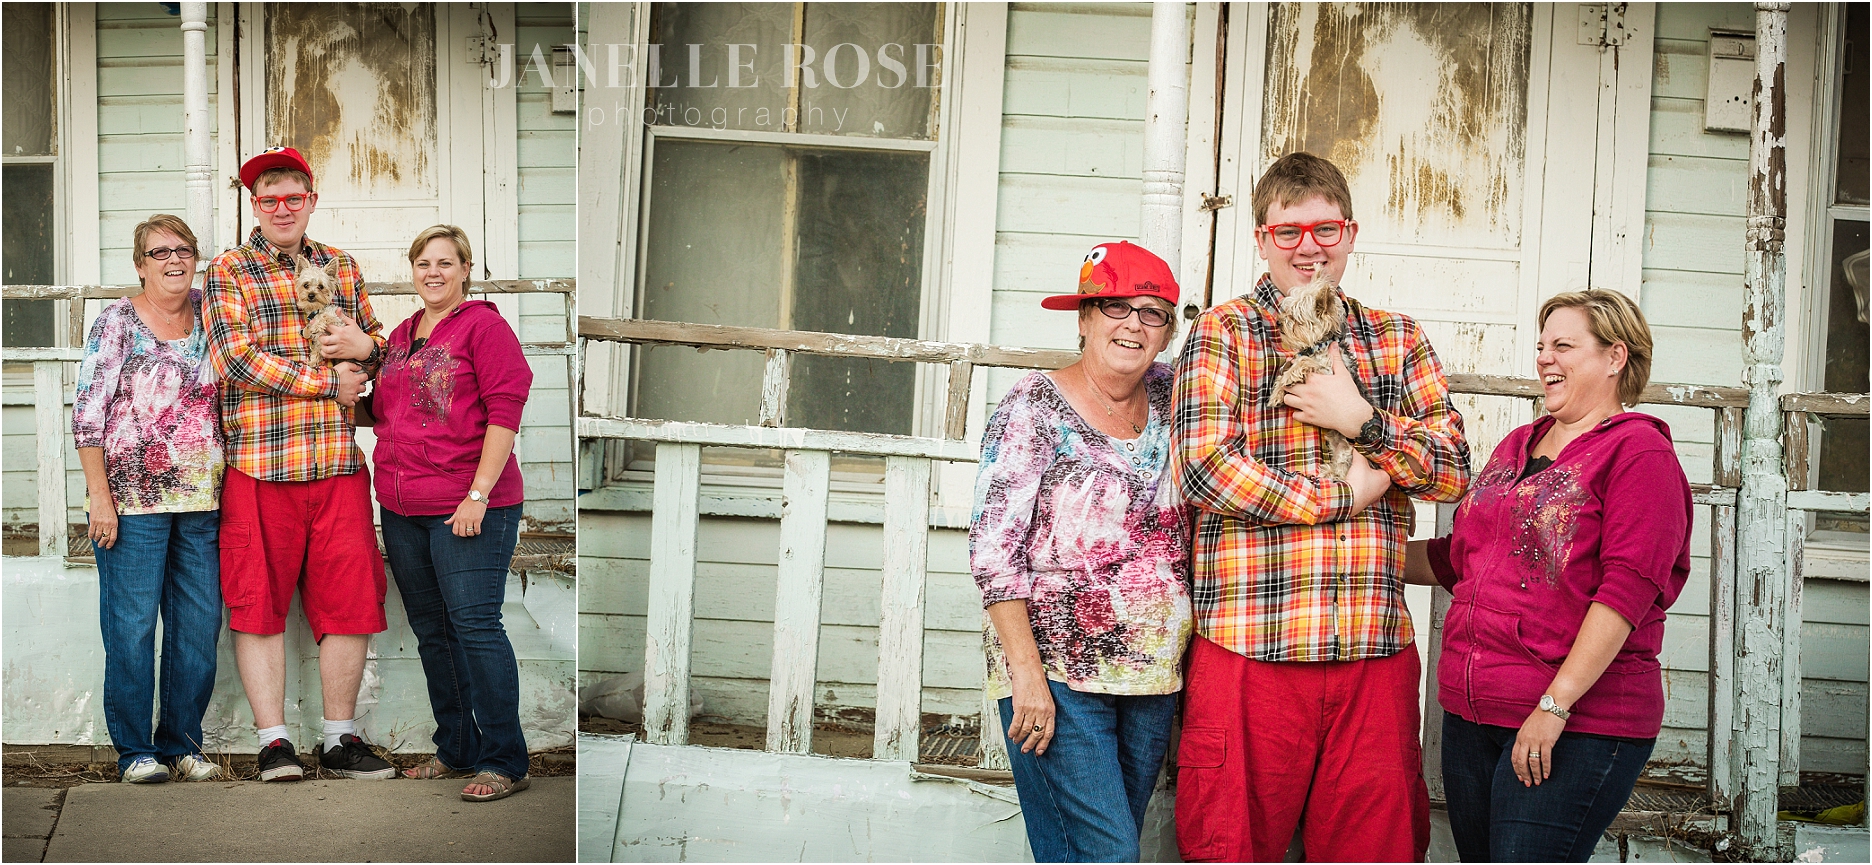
[[1283, 570], [278, 408]]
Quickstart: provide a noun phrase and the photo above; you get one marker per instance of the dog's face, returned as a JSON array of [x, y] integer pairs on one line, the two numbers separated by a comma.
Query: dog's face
[[1311, 313], [314, 287]]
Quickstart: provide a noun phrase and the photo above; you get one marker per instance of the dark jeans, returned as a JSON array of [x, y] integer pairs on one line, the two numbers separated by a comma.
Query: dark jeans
[[167, 564], [452, 590], [1496, 819], [1083, 801]]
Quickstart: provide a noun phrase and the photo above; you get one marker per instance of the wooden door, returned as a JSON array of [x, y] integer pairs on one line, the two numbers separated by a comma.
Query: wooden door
[[394, 115]]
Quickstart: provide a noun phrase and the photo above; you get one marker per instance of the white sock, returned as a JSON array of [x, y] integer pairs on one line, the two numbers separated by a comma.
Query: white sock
[[335, 729], [268, 734]]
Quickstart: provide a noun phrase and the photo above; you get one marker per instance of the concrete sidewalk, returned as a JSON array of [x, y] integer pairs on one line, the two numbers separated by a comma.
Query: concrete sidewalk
[[308, 821]]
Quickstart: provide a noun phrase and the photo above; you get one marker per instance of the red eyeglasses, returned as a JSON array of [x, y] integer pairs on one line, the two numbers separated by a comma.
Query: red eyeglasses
[[294, 203], [1326, 232]]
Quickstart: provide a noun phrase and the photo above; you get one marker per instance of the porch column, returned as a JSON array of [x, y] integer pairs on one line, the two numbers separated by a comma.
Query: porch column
[[1761, 509], [196, 153], [1166, 116]]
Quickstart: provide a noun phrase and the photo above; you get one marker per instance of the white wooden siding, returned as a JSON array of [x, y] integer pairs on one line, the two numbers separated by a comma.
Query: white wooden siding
[[139, 125], [548, 159], [1072, 149]]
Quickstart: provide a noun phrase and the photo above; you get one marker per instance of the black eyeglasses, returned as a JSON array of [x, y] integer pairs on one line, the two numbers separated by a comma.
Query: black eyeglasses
[[1149, 316], [162, 253]]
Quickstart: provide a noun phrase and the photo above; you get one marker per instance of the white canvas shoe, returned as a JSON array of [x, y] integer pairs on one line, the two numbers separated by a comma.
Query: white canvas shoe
[[194, 767], [145, 770]]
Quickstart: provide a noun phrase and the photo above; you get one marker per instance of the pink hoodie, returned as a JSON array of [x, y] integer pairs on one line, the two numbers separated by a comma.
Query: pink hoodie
[[434, 405], [1609, 521]]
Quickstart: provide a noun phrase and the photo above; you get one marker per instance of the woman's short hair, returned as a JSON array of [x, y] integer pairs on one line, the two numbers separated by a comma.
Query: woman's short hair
[[161, 222], [1090, 304], [455, 235], [1615, 318]]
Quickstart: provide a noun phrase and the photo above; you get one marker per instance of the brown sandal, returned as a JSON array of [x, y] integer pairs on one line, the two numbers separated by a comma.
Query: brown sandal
[[431, 769], [501, 785]]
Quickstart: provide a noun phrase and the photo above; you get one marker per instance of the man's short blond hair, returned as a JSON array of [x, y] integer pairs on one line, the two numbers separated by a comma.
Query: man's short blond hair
[[161, 222], [1615, 319], [1299, 177], [275, 175], [452, 233]]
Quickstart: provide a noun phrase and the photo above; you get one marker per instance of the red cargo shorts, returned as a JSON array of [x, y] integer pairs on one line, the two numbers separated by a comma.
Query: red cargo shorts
[[1330, 747], [317, 535]]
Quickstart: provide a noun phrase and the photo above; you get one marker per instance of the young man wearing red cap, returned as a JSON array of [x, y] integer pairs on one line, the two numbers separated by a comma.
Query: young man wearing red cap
[[1302, 683], [296, 495]]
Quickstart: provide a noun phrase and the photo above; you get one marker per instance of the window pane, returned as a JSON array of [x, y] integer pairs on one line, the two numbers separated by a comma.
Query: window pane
[[713, 257], [712, 92], [26, 250], [698, 83], [888, 103], [1851, 185], [30, 72], [859, 271], [1843, 442], [803, 239]]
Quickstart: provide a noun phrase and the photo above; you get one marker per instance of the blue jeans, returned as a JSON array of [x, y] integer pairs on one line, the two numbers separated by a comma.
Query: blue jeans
[[452, 590], [1496, 819], [1083, 801], [167, 565]]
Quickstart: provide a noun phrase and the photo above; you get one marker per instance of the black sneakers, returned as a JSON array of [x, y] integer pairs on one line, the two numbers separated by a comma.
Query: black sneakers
[[354, 759], [279, 763]]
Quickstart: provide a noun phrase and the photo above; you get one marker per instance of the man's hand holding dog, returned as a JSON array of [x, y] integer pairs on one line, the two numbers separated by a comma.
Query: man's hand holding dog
[[346, 341], [351, 381], [1330, 401]]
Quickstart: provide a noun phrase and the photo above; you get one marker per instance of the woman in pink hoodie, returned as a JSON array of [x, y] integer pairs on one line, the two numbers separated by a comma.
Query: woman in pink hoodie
[[1562, 560], [447, 406]]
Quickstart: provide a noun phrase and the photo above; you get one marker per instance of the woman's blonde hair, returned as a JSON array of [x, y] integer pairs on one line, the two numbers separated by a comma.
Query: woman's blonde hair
[[455, 235], [1615, 319], [161, 222]]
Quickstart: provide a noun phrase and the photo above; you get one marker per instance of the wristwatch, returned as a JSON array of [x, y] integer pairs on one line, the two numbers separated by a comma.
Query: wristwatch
[[1547, 704], [476, 496], [1371, 431]]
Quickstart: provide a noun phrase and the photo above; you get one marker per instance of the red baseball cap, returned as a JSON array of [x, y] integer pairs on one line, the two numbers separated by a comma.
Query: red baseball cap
[[1116, 270], [277, 157]]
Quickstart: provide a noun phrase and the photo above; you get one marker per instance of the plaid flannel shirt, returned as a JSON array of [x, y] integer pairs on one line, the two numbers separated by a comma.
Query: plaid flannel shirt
[[1283, 570], [278, 410]]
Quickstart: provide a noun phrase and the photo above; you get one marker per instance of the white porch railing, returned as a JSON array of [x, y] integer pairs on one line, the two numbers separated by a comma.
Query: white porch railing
[[674, 524]]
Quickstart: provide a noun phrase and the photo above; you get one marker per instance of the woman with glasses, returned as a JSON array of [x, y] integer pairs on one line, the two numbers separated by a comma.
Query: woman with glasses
[[448, 405], [1079, 547], [148, 435]]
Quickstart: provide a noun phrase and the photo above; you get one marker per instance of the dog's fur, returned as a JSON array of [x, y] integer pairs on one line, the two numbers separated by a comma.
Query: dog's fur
[[1312, 320], [315, 292]]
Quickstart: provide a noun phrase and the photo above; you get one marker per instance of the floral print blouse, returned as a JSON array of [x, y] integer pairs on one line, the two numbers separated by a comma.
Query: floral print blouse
[[1088, 529], [150, 404]]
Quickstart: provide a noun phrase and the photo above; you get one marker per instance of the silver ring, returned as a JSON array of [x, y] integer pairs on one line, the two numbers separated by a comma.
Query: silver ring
[[1533, 755]]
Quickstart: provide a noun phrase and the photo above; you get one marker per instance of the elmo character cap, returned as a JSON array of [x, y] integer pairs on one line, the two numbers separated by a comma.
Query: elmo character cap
[[1118, 270], [277, 157]]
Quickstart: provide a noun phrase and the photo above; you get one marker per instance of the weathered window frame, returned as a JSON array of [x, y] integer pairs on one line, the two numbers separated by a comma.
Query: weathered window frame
[[1816, 284], [956, 276]]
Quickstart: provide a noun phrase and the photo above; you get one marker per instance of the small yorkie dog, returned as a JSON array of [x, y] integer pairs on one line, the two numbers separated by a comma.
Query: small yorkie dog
[[1312, 321], [315, 292]]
